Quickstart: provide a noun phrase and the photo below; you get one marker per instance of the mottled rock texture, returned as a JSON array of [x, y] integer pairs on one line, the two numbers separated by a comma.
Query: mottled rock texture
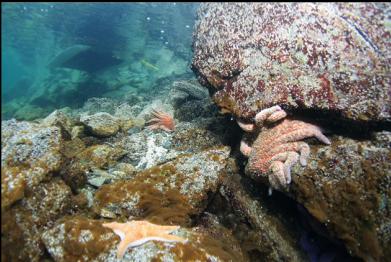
[[30, 153], [167, 193], [101, 124], [333, 57], [82, 239], [22, 226], [346, 186]]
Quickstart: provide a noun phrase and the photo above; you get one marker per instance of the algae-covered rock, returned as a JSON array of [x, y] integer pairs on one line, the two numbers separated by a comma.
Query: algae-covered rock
[[29, 154], [170, 192], [22, 225], [78, 238], [101, 124], [184, 90], [321, 56], [98, 177], [262, 232], [59, 119], [346, 186], [85, 160], [148, 148]]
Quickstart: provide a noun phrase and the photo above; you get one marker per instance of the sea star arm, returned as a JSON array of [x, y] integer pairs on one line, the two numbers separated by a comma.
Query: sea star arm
[[305, 133], [246, 127], [277, 178], [271, 114], [283, 171], [300, 146], [245, 148]]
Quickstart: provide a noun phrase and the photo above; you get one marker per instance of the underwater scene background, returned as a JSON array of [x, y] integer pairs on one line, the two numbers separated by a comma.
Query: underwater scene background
[[58, 55], [196, 132]]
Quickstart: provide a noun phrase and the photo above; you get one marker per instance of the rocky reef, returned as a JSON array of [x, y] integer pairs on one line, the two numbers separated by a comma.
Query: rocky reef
[[288, 72], [298, 74], [65, 175], [328, 57]]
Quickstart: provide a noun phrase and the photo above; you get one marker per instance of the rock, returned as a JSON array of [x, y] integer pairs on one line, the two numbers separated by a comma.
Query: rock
[[98, 177], [184, 90], [149, 148], [99, 104], [78, 238], [67, 54], [146, 149], [22, 225], [345, 186], [193, 109], [30, 112], [59, 119], [166, 193], [30, 153], [264, 231], [101, 124], [77, 132], [93, 158], [332, 57]]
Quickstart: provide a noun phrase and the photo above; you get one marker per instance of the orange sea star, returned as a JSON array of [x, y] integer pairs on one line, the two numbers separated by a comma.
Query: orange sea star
[[162, 120], [277, 148], [136, 233]]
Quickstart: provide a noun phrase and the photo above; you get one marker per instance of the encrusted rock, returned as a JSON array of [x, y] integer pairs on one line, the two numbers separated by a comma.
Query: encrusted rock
[[85, 161], [166, 193], [59, 119], [101, 124], [78, 238], [266, 234], [185, 90], [29, 154], [332, 57], [21, 226], [346, 186]]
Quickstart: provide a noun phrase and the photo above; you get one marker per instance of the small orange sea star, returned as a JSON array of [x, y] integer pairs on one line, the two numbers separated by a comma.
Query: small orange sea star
[[136, 233], [162, 120]]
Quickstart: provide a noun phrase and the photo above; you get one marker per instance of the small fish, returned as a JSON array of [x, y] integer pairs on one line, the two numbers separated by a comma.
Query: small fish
[[149, 65]]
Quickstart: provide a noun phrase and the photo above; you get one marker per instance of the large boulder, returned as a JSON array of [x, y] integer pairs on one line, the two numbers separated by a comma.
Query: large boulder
[[30, 153], [346, 186], [333, 57]]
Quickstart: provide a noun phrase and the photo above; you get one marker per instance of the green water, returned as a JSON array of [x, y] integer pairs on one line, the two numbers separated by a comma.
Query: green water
[[58, 55]]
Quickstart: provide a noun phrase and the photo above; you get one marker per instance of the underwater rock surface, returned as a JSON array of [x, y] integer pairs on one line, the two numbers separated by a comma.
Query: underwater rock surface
[[55, 211], [329, 61], [30, 153], [79, 238], [327, 56]]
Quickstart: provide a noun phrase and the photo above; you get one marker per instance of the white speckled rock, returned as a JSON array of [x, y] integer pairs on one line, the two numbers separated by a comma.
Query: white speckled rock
[[29, 154], [101, 124]]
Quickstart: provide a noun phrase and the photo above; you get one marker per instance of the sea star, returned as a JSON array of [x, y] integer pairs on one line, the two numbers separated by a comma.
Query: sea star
[[162, 120], [277, 148], [136, 233]]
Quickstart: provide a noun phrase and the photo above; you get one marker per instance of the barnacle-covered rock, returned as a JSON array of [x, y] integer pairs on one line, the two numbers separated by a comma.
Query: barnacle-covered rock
[[30, 153], [59, 119], [101, 124], [169, 192], [184, 90], [254, 223], [346, 186], [86, 161], [333, 57], [78, 238], [22, 225]]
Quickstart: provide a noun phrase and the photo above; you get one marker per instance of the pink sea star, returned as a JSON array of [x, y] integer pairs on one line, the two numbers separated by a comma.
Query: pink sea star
[[277, 148], [162, 120]]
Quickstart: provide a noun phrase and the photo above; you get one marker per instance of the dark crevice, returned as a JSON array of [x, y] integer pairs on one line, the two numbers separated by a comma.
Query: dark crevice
[[333, 122]]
